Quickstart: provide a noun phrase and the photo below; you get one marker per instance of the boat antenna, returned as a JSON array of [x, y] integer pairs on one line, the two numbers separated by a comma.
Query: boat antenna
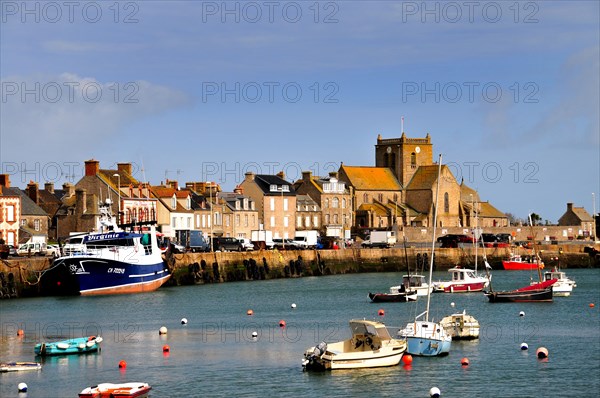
[[406, 259], [437, 193], [535, 249]]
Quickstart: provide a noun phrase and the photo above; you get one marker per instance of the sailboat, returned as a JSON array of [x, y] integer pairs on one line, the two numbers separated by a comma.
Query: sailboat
[[538, 291], [425, 337]]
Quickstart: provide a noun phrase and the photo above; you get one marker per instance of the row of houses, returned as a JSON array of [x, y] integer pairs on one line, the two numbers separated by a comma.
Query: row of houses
[[400, 190]]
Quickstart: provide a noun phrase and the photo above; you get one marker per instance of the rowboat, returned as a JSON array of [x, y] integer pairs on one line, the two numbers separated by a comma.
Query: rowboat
[[79, 345], [19, 366], [121, 390]]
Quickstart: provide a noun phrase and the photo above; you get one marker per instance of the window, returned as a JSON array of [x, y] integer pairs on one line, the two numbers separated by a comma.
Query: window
[[10, 213], [203, 220], [23, 222], [227, 220], [446, 203], [237, 220], [343, 203], [299, 221], [237, 204], [316, 221], [285, 204], [245, 203], [36, 224], [272, 221], [173, 221], [272, 204], [327, 203], [189, 222], [335, 218], [307, 221], [380, 197], [245, 220], [366, 198], [273, 188], [188, 203], [335, 203], [326, 219], [285, 221], [413, 160], [173, 202], [285, 188]]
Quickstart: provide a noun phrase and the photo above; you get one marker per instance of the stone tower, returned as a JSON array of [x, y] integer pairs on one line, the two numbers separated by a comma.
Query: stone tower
[[403, 155]]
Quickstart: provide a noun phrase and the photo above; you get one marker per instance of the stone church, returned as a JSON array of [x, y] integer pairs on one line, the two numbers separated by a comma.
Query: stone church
[[401, 190]]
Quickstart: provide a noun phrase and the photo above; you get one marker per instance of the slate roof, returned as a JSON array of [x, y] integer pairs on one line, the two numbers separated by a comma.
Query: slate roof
[[369, 178], [264, 182], [28, 206]]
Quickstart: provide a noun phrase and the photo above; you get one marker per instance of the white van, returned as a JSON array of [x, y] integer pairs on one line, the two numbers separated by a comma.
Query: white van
[[32, 249]]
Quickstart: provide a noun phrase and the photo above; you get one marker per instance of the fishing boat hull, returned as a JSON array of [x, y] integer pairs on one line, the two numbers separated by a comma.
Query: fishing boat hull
[[122, 390], [462, 287], [19, 366], [89, 275], [427, 339], [463, 280], [393, 297], [520, 296], [80, 345], [518, 266]]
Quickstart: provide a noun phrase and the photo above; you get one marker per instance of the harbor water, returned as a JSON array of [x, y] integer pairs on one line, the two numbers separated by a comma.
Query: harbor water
[[215, 354]]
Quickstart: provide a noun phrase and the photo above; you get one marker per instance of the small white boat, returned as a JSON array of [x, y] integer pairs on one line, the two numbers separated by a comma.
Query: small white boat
[[370, 346], [563, 286], [464, 280], [412, 282], [461, 326], [19, 366], [121, 390]]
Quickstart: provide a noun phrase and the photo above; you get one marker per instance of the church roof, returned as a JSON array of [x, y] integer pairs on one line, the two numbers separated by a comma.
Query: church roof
[[426, 176], [364, 178]]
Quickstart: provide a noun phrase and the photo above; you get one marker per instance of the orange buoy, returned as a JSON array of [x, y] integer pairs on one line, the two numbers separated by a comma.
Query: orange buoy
[[20, 332], [542, 352], [464, 362], [381, 312], [282, 323], [122, 364], [250, 312], [407, 359], [592, 305], [166, 348]]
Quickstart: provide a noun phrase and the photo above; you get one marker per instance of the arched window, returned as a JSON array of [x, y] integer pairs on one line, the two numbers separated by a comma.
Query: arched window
[[327, 203], [366, 198], [335, 203], [413, 160], [446, 203]]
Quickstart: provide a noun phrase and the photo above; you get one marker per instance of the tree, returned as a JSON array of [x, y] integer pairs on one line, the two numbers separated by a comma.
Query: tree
[[535, 218]]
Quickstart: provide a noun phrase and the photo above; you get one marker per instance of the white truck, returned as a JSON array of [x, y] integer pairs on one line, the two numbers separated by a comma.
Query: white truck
[[306, 239], [381, 239], [35, 246], [262, 237]]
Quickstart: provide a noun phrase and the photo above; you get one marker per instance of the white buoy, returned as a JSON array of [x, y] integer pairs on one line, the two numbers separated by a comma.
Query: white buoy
[[293, 305], [184, 321], [452, 304], [22, 387], [162, 330], [522, 313], [254, 335], [524, 346], [435, 392]]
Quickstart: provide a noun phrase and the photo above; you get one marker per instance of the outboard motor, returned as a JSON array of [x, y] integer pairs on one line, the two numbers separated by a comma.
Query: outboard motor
[[319, 349]]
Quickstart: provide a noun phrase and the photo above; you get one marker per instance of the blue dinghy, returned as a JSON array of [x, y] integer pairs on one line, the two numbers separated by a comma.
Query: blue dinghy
[[78, 345]]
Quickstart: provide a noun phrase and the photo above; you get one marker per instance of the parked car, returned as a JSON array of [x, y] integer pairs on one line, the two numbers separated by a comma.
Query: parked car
[[452, 240], [226, 243], [12, 251], [53, 250], [247, 244], [287, 244], [32, 249], [489, 240]]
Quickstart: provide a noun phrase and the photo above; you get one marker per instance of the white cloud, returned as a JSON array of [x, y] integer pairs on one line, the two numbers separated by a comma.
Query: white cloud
[[46, 117]]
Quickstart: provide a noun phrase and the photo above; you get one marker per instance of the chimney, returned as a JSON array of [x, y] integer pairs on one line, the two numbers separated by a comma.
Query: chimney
[[570, 207], [333, 174], [173, 184], [124, 168], [5, 180], [69, 189], [49, 187], [80, 201], [92, 167], [306, 176], [33, 192], [249, 176], [239, 190], [281, 175]]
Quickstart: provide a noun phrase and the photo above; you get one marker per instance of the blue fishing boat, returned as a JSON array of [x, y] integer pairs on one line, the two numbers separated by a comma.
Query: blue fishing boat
[[115, 259], [79, 345]]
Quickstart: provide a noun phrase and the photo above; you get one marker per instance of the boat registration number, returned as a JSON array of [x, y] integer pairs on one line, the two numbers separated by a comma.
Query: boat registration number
[[116, 270]]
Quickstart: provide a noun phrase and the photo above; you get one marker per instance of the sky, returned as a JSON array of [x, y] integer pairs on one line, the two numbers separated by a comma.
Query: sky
[[208, 90]]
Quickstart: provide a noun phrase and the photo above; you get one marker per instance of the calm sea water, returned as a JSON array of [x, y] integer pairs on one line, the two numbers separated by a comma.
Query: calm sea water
[[214, 354]]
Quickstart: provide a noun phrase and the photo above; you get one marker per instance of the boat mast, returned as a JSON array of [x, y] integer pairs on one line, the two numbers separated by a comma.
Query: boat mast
[[535, 250], [437, 193]]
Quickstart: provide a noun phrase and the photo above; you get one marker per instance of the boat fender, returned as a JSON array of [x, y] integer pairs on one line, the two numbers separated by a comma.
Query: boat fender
[[99, 340], [91, 338], [82, 346], [62, 346], [90, 344]]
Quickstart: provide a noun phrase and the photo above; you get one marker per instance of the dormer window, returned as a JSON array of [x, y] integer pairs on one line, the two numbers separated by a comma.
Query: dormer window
[[273, 188], [285, 188], [173, 202], [188, 203]]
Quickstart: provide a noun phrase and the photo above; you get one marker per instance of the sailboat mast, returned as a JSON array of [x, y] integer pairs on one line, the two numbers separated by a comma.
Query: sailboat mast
[[437, 193]]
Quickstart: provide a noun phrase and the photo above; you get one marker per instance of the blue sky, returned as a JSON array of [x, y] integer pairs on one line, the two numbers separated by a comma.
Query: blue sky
[[193, 91]]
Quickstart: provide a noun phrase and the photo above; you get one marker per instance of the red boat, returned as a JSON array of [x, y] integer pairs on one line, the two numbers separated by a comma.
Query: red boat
[[464, 280], [517, 263], [121, 390]]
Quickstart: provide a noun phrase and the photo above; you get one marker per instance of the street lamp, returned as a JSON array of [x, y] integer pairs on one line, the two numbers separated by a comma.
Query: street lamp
[[119, 192], [594, 214], [282, 218], [211, 216]]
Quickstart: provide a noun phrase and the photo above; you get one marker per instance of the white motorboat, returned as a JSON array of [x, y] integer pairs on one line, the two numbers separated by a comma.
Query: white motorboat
[[461, 326], [463, 280], [413, 282], [563, 286], [369, 346]]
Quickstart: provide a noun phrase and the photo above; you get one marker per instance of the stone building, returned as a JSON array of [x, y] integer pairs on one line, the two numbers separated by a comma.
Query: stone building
[[10, 212], [578, 217]]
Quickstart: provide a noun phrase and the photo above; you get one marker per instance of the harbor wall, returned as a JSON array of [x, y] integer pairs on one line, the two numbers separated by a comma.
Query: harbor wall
[[200, 268]]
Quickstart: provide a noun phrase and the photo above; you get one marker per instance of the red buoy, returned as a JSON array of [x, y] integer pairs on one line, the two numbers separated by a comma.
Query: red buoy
[[282, 323], [381, 312], [542, 352], [591, 305], [250, 312], [166, 348], [464, 362], [20, 332], [407, 359], [122, 364]]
